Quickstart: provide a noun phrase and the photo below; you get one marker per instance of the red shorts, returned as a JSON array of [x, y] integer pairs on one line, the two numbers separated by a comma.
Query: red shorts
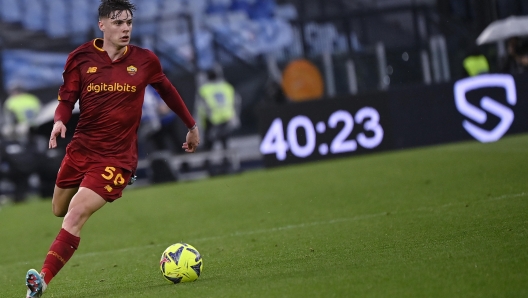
[[106, 180]]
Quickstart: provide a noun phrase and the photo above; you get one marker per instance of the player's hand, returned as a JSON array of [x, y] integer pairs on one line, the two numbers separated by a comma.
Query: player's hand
[[192, 140], [58, 129]]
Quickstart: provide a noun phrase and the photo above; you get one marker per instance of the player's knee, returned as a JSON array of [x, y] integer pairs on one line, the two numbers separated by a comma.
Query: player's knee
[[61, 201], [58, 210], [75, 219]]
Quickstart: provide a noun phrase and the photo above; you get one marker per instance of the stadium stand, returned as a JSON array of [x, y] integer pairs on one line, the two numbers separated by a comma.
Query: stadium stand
[[176, 27], [33, 15], [85, 20], [58, 19], [11, 11]]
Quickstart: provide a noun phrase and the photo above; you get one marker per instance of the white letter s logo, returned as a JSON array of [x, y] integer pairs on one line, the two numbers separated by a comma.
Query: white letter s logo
[[488, 104]]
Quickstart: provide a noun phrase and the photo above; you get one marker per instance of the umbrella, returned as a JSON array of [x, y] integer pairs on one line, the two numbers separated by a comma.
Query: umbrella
[[43, 123], [514, 26], [47, 112]]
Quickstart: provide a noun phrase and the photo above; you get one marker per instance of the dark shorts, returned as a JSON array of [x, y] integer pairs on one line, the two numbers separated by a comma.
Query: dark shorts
[[106, 180]]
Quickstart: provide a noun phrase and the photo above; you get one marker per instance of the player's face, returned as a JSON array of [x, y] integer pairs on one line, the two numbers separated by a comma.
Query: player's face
[[117, 28]]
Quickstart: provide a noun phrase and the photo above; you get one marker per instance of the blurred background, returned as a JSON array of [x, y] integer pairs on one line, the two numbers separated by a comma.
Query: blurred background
[[238, 62]]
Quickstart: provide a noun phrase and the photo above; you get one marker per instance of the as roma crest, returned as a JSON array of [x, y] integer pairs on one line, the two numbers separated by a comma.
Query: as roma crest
[[132, 70]]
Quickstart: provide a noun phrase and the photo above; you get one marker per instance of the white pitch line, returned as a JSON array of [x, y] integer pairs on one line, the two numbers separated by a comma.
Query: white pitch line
[[290, 227], [203, 239], [283, 228], [522, 194]]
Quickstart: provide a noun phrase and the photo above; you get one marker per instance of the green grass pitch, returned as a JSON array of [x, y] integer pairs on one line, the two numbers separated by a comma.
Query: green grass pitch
[[443, 221]]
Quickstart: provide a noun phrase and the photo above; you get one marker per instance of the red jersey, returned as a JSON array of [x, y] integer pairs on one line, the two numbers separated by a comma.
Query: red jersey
[[110, 95]]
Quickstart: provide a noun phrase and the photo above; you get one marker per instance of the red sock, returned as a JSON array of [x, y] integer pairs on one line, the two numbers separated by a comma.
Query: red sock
[[60, 252]]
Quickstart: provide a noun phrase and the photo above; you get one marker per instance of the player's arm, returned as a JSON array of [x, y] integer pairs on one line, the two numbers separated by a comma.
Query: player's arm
[[68, 95], [172, 98]]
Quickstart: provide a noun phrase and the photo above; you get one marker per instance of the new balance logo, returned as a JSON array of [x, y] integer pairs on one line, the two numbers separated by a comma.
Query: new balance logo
[[479, 114], [92, 70]]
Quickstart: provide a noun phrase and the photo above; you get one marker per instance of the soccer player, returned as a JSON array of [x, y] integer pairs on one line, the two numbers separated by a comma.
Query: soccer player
[[108, 76]]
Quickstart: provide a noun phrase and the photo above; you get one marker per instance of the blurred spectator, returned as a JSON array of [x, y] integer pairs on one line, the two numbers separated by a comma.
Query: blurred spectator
[[165, 133], [19, 110], [509, 60], [475, 63], [48, 161], [516, 61], [217, 107], [273, 92], [17, 162], [17, 151], [150, 122]]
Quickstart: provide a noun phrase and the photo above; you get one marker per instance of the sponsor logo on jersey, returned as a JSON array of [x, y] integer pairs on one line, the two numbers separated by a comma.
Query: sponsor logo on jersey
[[115, 87], [132, 70], [108, 188], [479, 114], [92, 69]]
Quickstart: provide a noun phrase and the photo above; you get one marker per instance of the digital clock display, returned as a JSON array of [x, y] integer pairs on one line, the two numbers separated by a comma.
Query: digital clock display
[[322, 129], [483, 108]]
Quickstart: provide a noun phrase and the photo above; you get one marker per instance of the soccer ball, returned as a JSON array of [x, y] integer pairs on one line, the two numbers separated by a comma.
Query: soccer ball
[[181, 262]]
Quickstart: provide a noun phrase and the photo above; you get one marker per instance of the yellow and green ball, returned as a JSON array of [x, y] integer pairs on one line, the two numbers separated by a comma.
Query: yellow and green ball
[[181, 262]]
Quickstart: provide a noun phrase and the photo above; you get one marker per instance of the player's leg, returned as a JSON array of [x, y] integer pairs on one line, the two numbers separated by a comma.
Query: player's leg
[[100, 185], [69, 177], [83, 204], [61, 200], [66, 185]]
